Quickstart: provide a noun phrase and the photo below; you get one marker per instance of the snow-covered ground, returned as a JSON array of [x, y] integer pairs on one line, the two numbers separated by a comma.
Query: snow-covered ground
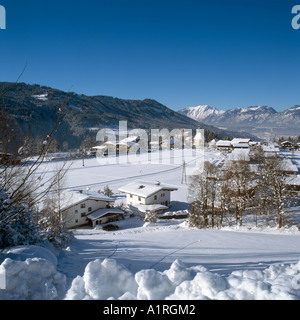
[[163, 260]]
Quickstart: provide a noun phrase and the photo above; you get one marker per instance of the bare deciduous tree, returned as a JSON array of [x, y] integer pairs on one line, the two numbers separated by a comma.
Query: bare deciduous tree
[[239, 176], [273, 183], [203, 195]]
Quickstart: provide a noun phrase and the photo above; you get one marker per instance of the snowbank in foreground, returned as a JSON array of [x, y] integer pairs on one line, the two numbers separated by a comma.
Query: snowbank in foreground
[[37, 278], [105, 279], [29, 272], [21, 253]]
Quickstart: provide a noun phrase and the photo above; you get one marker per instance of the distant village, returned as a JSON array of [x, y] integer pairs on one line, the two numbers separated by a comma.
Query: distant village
[[86, 207]]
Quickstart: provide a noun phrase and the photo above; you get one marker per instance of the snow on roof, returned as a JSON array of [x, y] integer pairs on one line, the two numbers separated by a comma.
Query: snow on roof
[[293, 181], [102, 212], [148, 207], [270, 149], [223, 143], [240, 140], [239, 154], [71, 198], [145, 189], [130, 139], [289, 166], [100, 147]]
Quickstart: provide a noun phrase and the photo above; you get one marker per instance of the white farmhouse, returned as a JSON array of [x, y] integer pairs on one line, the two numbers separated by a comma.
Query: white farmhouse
[[147, 193], [84, 207]]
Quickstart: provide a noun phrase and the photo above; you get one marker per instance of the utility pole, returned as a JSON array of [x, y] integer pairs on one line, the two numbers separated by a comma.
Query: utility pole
[[183, 176]]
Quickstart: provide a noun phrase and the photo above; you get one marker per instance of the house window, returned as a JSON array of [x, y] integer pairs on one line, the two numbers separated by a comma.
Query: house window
[[163, 194], [131, 196], [82, 205], [140, 199], [83, 214], [90, 209], [76, 221], [76, 211], [155, 197]]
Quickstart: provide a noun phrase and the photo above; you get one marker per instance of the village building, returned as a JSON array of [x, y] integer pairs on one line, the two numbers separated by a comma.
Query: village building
[[253, 144], [148, 194], [289, 168], [240, 145], [293, 184], [99, 150], [105, 215], [236, 143], [271, 151], [84, 207], [123, 145], [239, 155], [287, 145], [223, 145]]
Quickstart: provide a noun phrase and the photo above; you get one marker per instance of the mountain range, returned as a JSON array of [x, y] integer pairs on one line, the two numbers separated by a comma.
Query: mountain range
[[34, 110], [262, 121]]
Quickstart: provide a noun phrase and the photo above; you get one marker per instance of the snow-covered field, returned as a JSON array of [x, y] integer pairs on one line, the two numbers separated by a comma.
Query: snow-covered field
[[163, 260]]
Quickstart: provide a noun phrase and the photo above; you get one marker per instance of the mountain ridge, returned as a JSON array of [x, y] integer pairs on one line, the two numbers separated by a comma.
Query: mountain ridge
[[262, 121], [35, 109]]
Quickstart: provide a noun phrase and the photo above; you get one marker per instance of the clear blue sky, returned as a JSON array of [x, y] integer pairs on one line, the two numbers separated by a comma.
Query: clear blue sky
[[180, 52]]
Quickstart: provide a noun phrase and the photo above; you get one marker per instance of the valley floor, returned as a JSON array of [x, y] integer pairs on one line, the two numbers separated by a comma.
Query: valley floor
[[168, 260]]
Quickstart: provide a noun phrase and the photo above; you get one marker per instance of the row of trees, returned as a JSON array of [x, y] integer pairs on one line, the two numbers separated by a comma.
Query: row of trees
[[222, 196]]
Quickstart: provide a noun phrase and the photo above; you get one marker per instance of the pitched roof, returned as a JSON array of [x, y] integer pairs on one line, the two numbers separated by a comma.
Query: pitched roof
[[240, 140], [223, 143], [102, 212], [144, 208], [71, 198], [288, 165], [145, 189]]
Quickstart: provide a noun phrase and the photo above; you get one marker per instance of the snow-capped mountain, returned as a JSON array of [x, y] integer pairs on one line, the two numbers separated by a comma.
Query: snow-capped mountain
[[262, 121], [201, 112]]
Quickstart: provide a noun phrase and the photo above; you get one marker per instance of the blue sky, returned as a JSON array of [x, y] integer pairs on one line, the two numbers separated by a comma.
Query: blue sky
[[181, 52]]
